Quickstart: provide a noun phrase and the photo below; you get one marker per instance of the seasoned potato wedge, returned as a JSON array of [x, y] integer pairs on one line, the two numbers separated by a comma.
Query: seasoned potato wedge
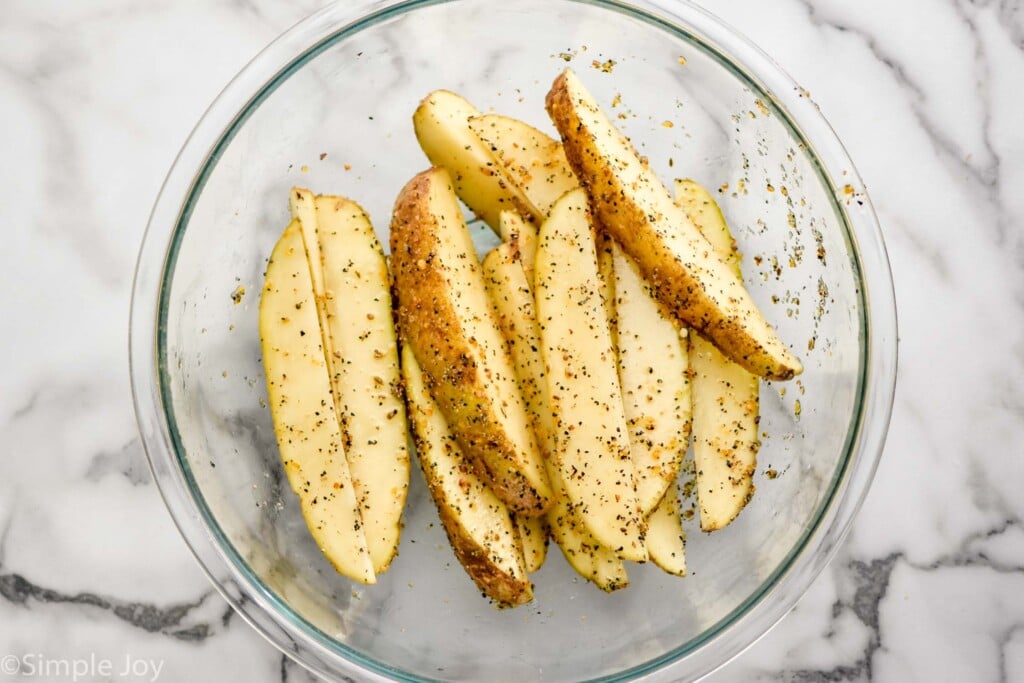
[[306, 425], [442, 127], [302, 203], [478, 524], [606, 275], [591, 436], [522, 235], [506, 283], [532, 160], [505, 280], [593, 561], [725, 416], [533, 538], [685, 274], [666, 540], [653, 366], [364, 368], [445, 315]]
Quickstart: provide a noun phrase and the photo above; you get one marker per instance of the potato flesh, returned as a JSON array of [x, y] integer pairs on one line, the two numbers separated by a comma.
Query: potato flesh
[[533, 538], [364, 368], [305, 422], [666, 541], [653, 367], [478, 523], [302, 203], [685, 273], [591, 436], [442, 128], [532, 160], [444, 313], [725, 417], [522, 235], [508, 288]]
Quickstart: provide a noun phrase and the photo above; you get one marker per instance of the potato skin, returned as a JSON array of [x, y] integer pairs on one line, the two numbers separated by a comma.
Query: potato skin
[[495, 583], [673, 281], [472, 507], [428, 321]]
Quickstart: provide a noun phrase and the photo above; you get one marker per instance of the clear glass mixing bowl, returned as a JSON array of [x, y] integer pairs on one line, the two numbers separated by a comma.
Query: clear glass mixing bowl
[[328, 105]]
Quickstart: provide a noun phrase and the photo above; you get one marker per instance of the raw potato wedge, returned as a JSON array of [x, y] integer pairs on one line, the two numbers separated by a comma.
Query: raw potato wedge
[[444, 313], [442, 128], [606, 273], [591, 437], [637, 209], [533, 537], [307, 429], [532, 160], [584, 553], [508, 288], [522, 235], [666, 540], [512, 297], [478, 524], [725, 406], [364, 370], [653, 365], [302, 203]]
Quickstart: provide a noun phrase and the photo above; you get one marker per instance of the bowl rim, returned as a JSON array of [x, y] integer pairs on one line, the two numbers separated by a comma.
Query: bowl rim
[[273, 618]]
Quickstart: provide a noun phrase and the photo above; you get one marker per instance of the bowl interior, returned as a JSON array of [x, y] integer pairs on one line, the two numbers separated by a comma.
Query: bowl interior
[[339, 121]]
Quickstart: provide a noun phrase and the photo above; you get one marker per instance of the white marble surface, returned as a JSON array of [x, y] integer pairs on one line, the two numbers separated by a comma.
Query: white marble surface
[[96, 96]]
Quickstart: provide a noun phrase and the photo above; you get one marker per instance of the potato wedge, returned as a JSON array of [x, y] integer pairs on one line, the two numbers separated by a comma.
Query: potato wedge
[[725, 396], [507, 286], [302, 203], [653, 366], [637, 209], [445, 315], [523, 237], [533, 538], [532, 160], [606, 274], [306, 425], [593, 561], [505, 279], [666, 540], [364, 368], [591, 436], [479, 526], [442, 127]]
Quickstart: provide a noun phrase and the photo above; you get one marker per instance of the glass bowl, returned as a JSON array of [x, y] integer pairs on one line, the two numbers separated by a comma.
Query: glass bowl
[[328, 105]]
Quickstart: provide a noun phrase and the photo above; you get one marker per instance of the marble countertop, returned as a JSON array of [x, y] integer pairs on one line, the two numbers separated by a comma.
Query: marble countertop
[[96, 98]]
